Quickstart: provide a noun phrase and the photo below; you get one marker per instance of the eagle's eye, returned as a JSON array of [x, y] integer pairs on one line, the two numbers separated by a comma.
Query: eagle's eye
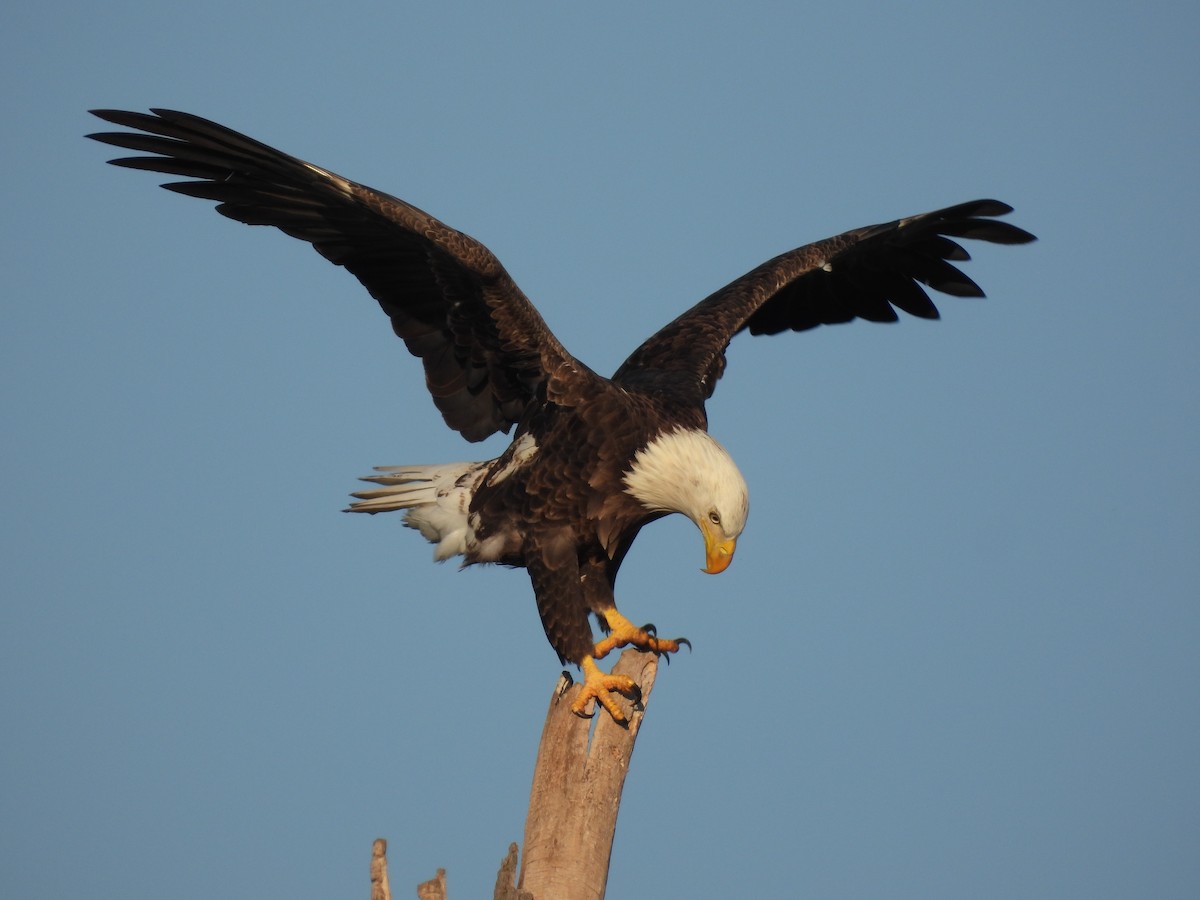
[[714, 517]]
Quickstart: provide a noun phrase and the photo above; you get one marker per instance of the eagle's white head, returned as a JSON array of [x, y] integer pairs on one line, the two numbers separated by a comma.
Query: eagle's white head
[[687, 471]]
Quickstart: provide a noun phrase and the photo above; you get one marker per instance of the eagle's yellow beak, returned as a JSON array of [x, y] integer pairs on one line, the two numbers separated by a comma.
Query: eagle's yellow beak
[[718, 550]]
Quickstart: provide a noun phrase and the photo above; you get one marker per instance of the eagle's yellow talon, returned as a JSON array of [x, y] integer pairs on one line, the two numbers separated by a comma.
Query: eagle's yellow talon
[[623, 633], [600, 686]]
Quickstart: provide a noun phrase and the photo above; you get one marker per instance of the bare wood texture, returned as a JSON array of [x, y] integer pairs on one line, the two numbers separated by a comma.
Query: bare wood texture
[[380, 890], [434, 888], [506, 879], [576, 792]]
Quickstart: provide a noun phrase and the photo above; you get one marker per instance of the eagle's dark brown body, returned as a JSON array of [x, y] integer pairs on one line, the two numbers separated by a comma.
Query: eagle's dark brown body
[[578, 521], [593, 459]]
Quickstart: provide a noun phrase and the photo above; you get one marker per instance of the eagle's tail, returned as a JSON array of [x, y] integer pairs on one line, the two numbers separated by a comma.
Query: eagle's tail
[[437, 499], [407, 487]]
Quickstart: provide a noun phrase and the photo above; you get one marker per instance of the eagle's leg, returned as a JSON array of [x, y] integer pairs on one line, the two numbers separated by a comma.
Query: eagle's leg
[[600, 686], [623, 633]]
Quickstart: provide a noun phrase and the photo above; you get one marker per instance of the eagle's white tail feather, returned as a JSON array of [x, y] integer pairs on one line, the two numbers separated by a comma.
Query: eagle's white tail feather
[[407, 486], [437, 500]]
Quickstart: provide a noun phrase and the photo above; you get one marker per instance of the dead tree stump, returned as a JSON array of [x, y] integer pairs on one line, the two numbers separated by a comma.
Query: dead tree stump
[[576, 791], [573, 803]]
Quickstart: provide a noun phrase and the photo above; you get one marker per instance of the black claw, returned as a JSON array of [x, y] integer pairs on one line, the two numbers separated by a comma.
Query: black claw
[[636, 696], [685, 642], [650, 629], [586, 715]]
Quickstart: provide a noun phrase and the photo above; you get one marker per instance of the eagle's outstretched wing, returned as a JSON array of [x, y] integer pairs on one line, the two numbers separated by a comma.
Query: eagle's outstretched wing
[[485, 348], [866, 273]]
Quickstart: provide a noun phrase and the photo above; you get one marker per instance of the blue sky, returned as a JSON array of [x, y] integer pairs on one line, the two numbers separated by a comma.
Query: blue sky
[[956, 654]]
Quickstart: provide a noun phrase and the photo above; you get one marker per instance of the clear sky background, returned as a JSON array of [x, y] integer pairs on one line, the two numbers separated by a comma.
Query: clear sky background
[[956, 655]]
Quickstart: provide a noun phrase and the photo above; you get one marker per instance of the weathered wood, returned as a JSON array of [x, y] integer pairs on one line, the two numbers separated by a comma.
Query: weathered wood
[[576, 791], [434, 888], [380, 890], [506, 879], [573, 803]]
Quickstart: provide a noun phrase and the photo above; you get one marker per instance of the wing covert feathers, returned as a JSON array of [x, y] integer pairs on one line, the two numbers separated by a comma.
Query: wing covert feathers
[[485, 349], [867, 273]]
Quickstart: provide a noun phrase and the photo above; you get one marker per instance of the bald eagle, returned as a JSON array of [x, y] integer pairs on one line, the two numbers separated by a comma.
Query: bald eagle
[[593, 459]]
